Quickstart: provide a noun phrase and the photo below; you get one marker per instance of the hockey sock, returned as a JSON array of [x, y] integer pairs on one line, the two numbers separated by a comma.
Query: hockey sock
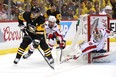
[[19, 53], [48, 53]]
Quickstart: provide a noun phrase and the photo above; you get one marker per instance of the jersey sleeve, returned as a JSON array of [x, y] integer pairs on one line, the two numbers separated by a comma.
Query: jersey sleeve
[[58, 17], [24, 16], [46, 14], [20, 19], [40, 26]]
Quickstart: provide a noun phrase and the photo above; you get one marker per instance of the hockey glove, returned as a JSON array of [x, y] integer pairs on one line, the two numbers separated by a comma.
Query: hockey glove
[[36, 43], [22, 28], [62, 44], [32, 28], [50, 36]]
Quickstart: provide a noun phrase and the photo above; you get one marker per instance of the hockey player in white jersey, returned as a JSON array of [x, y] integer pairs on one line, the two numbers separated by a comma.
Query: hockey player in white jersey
[[96, 43], [53, 34]]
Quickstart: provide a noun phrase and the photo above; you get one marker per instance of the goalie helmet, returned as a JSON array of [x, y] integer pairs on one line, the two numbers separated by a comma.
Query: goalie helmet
[[97, 33]]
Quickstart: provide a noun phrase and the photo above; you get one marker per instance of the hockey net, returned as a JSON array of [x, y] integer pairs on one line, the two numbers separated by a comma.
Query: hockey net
[[87, 23]]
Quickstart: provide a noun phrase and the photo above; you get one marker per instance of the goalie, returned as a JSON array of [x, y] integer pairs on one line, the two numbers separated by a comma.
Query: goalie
[[53, 34], [96, 44]]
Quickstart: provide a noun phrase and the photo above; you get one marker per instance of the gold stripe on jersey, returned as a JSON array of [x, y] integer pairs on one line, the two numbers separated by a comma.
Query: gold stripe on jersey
[[40, 28], [40, 32], [46, 15], [20, 16], [58, 17]]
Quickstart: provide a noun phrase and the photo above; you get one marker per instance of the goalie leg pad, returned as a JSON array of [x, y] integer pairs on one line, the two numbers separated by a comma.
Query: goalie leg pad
[[99, 57], [102, 51]]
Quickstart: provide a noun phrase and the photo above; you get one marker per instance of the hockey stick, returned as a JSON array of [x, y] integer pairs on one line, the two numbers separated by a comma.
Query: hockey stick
[[45, 59], [73, 57], [40, 51], [61, 55]]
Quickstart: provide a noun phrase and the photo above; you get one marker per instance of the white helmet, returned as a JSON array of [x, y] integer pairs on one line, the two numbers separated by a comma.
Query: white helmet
[[52, 19], [97, 34], [108, 7]]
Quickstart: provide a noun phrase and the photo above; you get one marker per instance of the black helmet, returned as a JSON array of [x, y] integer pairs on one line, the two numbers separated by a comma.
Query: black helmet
[[35, 9], [52, 4]]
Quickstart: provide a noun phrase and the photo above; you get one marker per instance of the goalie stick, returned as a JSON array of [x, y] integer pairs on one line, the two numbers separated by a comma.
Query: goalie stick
[[61, 55], [73, 57], [40, 52], [74, 42]]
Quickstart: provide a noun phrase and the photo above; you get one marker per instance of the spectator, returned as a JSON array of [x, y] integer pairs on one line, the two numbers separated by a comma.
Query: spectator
[[113, 3], [3, 15], [96, 6], [14, 12], [92, 11], [107, 10], [64, 11], [20, 6], [89, 6]]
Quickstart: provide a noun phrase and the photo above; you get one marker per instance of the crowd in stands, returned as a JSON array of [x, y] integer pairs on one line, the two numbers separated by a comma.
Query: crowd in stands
[[70, 9]]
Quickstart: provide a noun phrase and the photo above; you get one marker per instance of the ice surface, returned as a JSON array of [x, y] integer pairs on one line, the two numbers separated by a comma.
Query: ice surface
[[35, 66]]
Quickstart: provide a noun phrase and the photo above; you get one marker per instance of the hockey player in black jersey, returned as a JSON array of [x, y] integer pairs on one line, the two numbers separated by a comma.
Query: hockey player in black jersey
[[53, 12], [33, 32]]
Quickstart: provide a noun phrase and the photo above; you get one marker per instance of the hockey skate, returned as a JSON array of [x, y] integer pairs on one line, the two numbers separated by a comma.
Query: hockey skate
[[28, 54], [16, 60], [25, 56], [50, 62]]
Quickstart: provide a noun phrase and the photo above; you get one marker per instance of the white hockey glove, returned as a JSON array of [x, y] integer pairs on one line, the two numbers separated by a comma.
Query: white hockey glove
[[36, 43]]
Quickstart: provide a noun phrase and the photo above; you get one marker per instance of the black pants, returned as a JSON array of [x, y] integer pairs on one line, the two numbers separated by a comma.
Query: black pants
[[27, 39]]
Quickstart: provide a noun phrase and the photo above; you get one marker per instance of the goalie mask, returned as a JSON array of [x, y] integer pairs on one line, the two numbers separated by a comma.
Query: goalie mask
[[97, 34], [51, 21]]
